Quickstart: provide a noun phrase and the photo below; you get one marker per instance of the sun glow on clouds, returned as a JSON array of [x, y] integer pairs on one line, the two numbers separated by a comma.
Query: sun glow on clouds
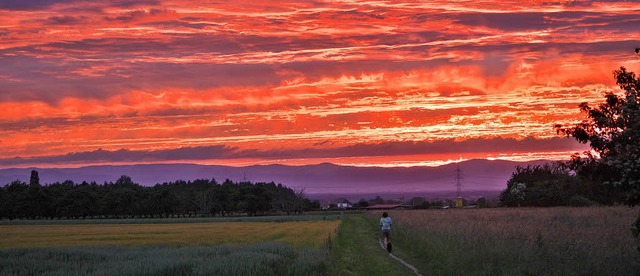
[[302, 82]]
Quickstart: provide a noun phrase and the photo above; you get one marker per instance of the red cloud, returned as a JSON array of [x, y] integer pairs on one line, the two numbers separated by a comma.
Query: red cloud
[[277, 81]]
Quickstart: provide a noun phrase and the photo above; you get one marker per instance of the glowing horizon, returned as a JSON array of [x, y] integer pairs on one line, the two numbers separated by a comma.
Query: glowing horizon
[[364, 83]]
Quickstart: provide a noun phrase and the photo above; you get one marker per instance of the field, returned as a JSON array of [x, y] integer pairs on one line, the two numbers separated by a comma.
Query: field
[[517, 241], [276, 247], [297, 233], [259, 259], [501, 241]]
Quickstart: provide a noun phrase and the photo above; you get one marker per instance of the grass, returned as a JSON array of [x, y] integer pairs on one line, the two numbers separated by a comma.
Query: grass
[[297, 233], [517, 241], [355, 250], [260, 259]]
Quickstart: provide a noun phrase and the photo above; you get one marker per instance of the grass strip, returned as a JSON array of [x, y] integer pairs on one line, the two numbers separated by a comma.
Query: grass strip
[[355, 250]]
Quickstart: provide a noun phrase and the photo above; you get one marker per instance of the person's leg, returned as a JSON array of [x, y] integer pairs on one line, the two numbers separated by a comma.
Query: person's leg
[[385, 234], [387, 244]]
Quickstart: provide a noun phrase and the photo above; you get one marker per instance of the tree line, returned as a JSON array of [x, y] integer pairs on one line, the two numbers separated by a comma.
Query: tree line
[[572, 183], [126, 199]]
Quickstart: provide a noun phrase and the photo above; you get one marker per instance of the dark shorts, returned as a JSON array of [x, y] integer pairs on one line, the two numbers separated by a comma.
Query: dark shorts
[[385, 232]]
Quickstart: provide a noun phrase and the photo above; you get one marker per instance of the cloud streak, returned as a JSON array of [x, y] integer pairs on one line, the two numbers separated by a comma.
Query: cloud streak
[[325, 150], [146, 81]]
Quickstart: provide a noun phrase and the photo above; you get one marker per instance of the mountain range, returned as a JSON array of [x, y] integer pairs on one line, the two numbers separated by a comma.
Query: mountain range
[[319, 179]]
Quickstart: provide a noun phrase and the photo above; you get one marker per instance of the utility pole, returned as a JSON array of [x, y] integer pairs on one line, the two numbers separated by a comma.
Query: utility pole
[[458, 186]]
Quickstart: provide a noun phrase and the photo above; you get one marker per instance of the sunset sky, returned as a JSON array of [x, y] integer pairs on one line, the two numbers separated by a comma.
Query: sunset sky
[[364, 83]]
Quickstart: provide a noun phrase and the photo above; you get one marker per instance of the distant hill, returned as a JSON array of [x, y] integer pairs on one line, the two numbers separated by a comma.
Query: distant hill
[[478, 175]]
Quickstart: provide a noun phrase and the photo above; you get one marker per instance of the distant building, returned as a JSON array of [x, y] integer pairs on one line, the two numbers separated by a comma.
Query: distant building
[[344, 205]]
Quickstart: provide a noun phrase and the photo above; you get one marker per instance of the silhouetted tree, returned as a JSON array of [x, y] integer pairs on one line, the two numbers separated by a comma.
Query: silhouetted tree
[[613, 131], [550, 184], [592, 173], [35, 179], [125, 199], [377, 200], [362, 203], [36, 197], [3, 203], [17, 199]]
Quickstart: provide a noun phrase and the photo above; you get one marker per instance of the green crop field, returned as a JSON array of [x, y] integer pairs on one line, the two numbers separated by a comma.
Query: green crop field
[[276, 247]]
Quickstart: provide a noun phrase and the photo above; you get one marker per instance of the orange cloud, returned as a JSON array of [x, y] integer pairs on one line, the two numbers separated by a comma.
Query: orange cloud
[[157, 76]]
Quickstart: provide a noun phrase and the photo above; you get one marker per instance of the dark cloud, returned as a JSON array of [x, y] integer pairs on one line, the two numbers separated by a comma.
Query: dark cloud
[[506, 21], [133, 3], [314, 70], [124, 155], [175, 46], [50, 80], [424, 16], [178, 24], [355, 15], [204, 75], [583, 3], [42, 4], [31, 4], [359, 150], [66, 20], [128, 16], [503, 53], [617, 24], [535, 21], [31, 124], [409, 148], [138, 14]]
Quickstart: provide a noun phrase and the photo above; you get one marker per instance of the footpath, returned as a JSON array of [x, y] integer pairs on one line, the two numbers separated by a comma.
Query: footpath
[[403, 262]]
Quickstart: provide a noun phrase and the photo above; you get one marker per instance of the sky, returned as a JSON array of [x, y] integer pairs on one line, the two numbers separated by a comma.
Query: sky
[[361, 83]]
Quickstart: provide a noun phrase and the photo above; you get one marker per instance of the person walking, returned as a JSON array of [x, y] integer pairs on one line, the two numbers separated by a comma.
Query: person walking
[[385, 224]]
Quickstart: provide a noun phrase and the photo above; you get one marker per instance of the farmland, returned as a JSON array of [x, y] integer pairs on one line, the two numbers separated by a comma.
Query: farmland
[[200, 248], [518, 241], [297, 233], [500, 241]]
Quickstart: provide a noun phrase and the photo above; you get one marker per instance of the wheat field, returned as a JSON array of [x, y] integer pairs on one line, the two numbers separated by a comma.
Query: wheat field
[[297, 233], [273, 247]]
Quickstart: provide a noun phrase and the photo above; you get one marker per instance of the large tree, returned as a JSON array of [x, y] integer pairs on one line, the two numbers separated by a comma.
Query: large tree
[[613, 132]]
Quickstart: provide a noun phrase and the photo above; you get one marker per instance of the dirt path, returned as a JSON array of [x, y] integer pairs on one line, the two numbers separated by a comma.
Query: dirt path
[[403, 262]]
